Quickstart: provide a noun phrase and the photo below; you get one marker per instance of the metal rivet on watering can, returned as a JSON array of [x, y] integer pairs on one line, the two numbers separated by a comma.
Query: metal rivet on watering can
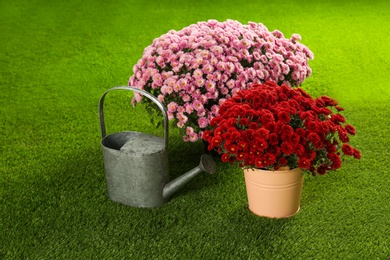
[[136, 164]]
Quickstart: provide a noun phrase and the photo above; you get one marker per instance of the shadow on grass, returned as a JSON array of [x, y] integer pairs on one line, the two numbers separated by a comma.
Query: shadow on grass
[[256, 226]]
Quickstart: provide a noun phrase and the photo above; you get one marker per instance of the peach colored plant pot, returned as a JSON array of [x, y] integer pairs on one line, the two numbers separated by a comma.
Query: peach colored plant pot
[[274, 194]]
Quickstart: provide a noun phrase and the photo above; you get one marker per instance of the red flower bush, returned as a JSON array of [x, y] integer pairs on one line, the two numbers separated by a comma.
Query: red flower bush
[[271, 126]]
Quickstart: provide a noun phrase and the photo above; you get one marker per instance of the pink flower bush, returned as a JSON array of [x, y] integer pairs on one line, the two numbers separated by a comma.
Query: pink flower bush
[[194, 70]]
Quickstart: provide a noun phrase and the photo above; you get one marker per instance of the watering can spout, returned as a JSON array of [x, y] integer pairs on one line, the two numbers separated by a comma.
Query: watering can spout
[[206, 165]]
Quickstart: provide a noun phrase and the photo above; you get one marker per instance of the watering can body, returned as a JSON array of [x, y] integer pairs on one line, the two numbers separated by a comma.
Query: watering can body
[[136, 176], [136, 164]]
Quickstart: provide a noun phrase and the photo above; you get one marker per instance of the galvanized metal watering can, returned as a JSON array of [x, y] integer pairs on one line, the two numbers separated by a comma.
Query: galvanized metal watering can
[[136, 164]]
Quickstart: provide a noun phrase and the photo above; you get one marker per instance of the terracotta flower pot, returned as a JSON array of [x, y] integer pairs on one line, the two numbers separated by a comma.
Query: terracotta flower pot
[[274, 194]]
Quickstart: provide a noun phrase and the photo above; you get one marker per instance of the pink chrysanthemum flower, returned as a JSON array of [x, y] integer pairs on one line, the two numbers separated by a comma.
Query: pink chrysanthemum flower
[[210, 61]]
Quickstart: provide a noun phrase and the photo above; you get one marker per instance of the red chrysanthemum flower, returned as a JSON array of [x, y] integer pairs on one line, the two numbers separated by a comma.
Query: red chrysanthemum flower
[[267, 118], [325, 111], [322, 169], [323, 128], [311, 125], [270, 126], [240, 156], [300, 131], [347, 149], [335, 161], [269, 158], [260, 144], [244, 121], [343, 135], [315, 140], [284, 116], [273, 139], [287, 129], [207, 134], [282, 161], [356, 154], [259, 163], [350, 129], [225, 157], [262, 133], [329, 101], [234, 135], [294, 138], [304, 163], [233, 149], [305, 115], [253, 125], [287, 148], [217, 140], [299, 149], [242, 145], [330, 148], [215, 121], [337, 118], [218, 131], [320, 102], [248, 134]]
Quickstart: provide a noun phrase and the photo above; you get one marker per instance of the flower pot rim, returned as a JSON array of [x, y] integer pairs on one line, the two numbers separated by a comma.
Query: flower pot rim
[[273, 171]]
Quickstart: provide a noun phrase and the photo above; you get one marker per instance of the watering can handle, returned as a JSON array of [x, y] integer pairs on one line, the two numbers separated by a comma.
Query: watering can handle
[[142, 92]]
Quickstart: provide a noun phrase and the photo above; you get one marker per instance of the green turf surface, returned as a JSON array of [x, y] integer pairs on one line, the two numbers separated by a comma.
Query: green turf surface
[[57, 59]]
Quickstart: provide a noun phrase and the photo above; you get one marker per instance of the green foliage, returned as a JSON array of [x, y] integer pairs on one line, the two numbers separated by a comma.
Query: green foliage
[[58, 58]]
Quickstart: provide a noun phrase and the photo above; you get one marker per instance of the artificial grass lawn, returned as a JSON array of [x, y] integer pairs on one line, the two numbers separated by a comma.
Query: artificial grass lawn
[[57, 59]]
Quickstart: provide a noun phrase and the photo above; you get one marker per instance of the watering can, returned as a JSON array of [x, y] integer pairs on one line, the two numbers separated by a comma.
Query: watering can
[[136, 164]]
